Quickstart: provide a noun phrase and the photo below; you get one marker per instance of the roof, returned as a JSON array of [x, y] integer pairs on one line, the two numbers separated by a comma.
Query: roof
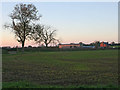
[[105, 42]]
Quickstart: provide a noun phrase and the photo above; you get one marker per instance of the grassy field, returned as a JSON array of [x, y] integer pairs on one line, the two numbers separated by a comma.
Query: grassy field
[[97, 68]]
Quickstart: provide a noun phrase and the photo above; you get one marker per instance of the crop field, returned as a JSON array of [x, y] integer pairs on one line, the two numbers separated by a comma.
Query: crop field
[[95, 68]]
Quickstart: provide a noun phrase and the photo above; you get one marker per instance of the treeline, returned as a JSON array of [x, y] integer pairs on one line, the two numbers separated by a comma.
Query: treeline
[[6, 50]]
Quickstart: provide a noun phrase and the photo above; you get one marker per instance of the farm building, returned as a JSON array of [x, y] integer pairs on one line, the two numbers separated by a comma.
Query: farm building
[[79, 45], [88, 46], [104, 45], [72, 45]]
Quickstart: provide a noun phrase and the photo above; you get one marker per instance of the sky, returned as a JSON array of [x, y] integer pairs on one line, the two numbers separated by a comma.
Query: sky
[[75, 21]]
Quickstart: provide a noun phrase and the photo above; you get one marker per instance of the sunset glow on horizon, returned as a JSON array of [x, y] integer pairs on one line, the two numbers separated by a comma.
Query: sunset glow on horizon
[[75, 21]]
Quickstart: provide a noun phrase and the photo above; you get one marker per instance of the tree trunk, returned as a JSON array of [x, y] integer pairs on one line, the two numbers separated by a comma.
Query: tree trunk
[[23, 42], [46, 45]]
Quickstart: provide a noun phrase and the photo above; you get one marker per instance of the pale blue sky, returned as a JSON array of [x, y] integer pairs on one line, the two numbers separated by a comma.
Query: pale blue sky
[[75, 21]]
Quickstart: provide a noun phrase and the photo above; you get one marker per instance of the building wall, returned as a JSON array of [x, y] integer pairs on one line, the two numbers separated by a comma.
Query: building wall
[[69, 46], [88, 46]]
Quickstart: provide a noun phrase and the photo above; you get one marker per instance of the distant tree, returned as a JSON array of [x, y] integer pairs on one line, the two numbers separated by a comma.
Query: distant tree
[[29, 46], [48, 35], [97, 44], [45, 34], [81, 44], [112, 43], [22, 17], [92, 44]]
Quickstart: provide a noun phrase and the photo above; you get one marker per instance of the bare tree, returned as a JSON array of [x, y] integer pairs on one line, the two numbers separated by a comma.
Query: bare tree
[[48, 35], [45, 34], [22, 17]]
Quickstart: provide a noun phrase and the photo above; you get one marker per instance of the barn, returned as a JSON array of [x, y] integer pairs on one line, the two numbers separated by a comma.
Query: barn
[[72, 45], [104, 45]]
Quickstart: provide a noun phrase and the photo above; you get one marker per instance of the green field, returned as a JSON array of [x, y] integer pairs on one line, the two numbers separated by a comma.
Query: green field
[[95, 68]]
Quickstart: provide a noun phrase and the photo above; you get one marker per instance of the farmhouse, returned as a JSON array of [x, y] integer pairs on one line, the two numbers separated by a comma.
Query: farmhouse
[[71, 45]]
